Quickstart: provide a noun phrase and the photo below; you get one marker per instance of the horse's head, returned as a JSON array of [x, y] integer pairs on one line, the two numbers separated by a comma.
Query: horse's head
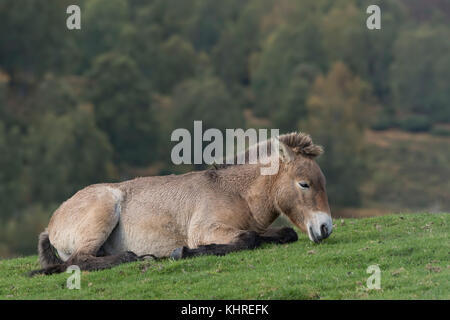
[[300, 186]]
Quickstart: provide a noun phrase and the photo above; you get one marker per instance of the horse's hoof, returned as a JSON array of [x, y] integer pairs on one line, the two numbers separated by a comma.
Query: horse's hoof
[[145, 257], [130, 256], [178, 253], [288, 235]]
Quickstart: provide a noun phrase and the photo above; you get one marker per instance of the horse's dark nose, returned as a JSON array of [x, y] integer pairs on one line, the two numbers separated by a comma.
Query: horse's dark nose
[[324, 231]]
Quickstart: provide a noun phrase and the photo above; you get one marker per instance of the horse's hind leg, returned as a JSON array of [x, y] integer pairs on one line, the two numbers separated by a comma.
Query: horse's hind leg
[[89, 262], [93, 227]]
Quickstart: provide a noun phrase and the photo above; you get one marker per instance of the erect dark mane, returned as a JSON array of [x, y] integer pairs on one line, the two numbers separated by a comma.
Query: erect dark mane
[[300, 143]]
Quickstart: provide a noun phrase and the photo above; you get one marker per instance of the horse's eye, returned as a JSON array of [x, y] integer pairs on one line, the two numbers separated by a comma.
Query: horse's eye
[[303, 185]]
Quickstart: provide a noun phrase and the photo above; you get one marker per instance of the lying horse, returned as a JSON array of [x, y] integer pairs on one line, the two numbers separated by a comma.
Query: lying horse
[[215, 211]]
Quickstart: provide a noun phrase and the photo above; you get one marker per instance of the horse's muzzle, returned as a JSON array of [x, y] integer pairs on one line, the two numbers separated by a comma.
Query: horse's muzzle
[[320, 226]]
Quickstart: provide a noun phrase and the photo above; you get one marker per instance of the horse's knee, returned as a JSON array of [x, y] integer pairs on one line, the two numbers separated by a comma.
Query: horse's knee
[[249, 240], [280, 235], [287, 235]]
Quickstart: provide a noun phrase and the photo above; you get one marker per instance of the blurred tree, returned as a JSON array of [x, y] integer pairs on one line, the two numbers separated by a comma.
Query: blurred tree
[[287, 48], [231, 55], [177, 62], [18, 234], [172, 16], [64, 154], [207, 99], [56, 95], [32, 37], [337, 118], [208, 21], [366, 52], [292, 104], [123, 108], [429, 10], [420, 74], [102, 24], [142, 42], [11, 164], [11, 191]]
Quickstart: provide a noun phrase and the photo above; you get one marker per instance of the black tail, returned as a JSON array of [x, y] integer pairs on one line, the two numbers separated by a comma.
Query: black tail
[[47, 257], [51, 263], [56, 268], [47, 254]]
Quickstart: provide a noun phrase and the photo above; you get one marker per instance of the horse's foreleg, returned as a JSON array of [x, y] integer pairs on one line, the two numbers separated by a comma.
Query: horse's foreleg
[[245, 240], [279, 235]]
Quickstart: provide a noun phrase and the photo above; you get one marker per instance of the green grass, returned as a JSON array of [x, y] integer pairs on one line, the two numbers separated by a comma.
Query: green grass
[[412, 251]]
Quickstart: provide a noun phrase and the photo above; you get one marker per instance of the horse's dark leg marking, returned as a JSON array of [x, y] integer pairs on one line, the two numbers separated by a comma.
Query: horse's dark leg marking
[[89, 263], [279, 235], [247, 240]]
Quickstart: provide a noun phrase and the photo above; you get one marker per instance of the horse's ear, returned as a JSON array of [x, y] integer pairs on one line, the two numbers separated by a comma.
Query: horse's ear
[[285, 152]]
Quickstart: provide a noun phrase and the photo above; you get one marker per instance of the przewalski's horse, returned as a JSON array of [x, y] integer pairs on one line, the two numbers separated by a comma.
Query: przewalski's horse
[[179, 216]]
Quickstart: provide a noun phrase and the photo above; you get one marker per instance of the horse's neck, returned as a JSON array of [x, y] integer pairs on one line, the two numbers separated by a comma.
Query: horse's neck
[[257, 153], [247, 181]]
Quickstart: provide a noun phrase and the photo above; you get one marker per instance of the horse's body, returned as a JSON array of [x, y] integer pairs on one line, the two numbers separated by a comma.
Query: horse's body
[[151, 215], [203, 212]]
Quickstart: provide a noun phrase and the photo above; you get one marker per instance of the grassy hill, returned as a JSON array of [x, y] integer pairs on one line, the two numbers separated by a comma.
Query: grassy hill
[[411, 250]]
